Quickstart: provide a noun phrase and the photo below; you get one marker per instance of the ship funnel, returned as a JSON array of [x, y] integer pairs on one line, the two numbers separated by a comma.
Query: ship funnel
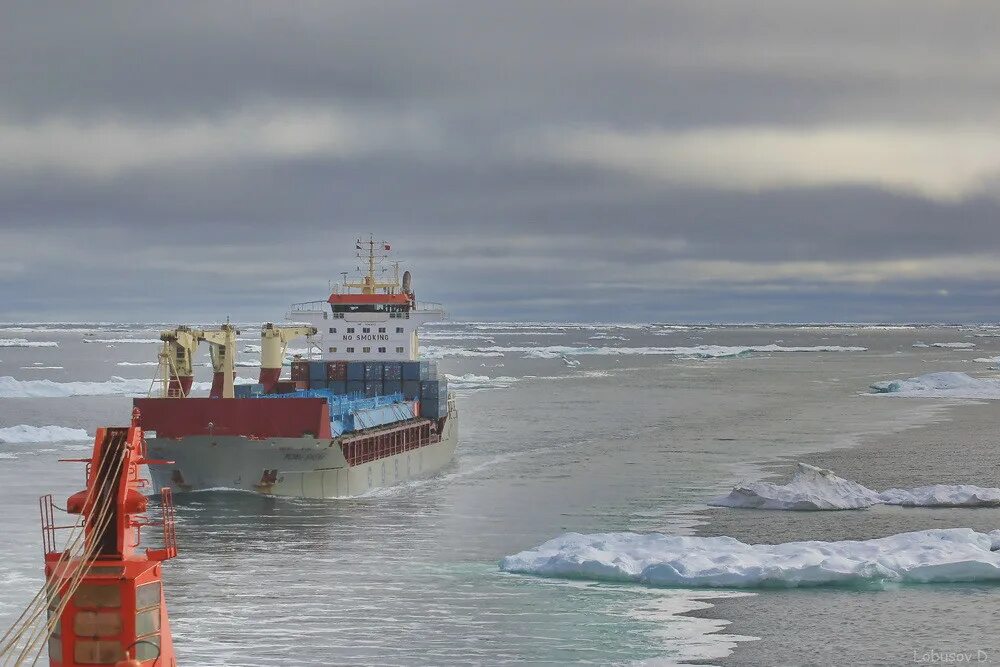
[[407, 279]]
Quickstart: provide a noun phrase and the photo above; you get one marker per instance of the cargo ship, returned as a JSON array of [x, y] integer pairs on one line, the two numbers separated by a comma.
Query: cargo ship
[[359, 410]]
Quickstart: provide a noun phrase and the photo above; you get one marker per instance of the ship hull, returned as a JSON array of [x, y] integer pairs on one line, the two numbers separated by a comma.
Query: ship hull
[[306, 467]]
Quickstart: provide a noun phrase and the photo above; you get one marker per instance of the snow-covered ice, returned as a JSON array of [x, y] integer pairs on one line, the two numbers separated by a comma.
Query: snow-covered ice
[[472, 381], [943, 495], [13, 388], [697, 351], [949, 555], [25, 433], [951, 346], [23, 342], [946, 384], [811, 488]]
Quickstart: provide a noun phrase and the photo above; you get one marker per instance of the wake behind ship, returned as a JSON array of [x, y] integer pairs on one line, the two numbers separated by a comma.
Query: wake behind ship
[[359, 411]]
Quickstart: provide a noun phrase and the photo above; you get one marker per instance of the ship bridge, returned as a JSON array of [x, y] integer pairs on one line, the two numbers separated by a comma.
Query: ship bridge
[[376, 318]]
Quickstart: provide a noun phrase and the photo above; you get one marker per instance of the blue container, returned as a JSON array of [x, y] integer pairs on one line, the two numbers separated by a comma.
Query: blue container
[[247, 390], [317, 384], [373, 371], [355, 370], [431, 390], [338, 387], [317, 371], [410, 371], [355, 386], [373, 389], [391, 370], [411, 390], [391, 387]]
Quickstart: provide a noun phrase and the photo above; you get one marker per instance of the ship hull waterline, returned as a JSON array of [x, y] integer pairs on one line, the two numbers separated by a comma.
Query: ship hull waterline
[[299, 467]]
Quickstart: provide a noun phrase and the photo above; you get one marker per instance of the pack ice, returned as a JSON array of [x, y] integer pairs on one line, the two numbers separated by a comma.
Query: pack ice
[[949, 555], [940, 385], [813, 488]]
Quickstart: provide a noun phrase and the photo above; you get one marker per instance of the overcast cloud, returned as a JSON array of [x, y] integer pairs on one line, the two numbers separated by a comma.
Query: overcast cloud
[[696, 161]]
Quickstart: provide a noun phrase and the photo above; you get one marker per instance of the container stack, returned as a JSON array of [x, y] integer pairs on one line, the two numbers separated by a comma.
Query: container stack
[[434, 398], [415, 380]]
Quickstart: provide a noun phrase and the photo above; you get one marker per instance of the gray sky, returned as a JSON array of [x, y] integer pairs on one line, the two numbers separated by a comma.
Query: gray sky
[[696, 161]]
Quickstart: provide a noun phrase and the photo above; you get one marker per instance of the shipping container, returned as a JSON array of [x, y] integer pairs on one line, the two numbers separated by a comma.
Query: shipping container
[[300, 370], [391, 387], [391, 370], [317, 371], [355, 370], [373, 389], [373, 371], [355, 386], [418, 370], [337, 386], [411, 390], [317, 384], [287, 387], [336, 370]]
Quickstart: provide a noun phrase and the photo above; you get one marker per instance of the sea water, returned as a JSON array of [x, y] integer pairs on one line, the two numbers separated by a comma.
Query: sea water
[[565, 428]]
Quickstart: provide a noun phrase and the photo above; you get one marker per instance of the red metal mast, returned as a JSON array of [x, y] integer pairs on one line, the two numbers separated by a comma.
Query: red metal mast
[[108, 596]]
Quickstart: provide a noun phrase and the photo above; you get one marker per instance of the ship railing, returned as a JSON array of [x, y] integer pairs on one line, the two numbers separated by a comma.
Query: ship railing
[[428, 307], [47, 510]]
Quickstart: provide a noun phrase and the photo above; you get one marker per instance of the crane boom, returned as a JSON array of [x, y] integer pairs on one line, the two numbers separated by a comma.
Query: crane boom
[[273, 344], [223, 352]]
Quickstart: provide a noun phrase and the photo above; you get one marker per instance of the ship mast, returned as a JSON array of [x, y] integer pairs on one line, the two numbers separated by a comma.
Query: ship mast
[[369, 283]]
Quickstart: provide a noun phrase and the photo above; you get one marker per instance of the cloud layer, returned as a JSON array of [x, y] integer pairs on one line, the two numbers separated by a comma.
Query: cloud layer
[[670, 161]]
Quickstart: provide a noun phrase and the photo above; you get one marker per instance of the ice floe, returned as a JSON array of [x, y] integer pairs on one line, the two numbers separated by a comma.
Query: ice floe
[[943, 495], [813, 488], [947, 384], [121, 340], [13, 388], [697, 351], [951, 346], [439, 352], [949, 555], [472, 381], [138, 363], [24, 342], [25, 433]]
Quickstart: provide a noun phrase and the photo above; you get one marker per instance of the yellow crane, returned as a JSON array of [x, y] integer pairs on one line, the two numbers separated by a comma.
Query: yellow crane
[[273, 344], [223, 353], [176, 369]]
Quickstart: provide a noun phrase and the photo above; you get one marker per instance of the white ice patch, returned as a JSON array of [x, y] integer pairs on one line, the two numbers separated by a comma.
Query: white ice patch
[[940, 385], [12, 388], [698, 351], [138, 363], [439, 352], [25, 433], [23, 342], [471, 381], [951, 555], [943, 495], [811, 488], [121, 340], [950, 346]]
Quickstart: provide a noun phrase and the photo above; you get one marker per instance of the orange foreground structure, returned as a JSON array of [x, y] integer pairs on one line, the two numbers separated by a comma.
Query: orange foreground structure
[[109, 597]]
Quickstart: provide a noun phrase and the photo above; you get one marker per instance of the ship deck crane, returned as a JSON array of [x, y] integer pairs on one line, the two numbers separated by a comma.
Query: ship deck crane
[[176, 361], [223, 353], [273, 344]]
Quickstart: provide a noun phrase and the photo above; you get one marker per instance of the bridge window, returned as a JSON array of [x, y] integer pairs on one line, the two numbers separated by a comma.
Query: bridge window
[[333, 329], [381, 349], [350, 350], [366, 329], [381, 329], [350, 329], [399, 350], [366, 350], [399, 329], [333, 349]]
